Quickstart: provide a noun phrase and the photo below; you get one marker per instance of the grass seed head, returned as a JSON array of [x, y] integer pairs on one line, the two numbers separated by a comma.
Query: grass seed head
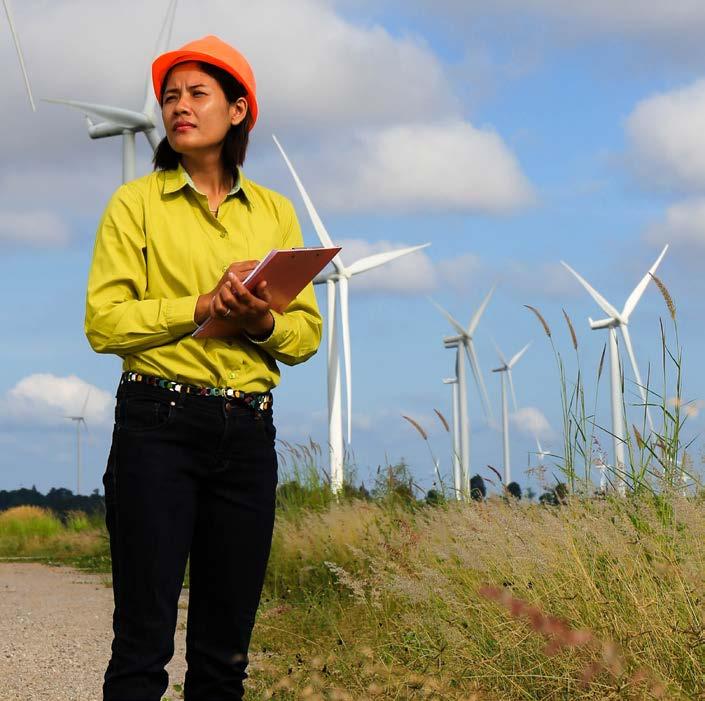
[[417, 426], [443, 420], [540, 318], [573, 337], [666, 296]]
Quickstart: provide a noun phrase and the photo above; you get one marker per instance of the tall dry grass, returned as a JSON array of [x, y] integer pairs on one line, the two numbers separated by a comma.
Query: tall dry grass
[[595, 600]]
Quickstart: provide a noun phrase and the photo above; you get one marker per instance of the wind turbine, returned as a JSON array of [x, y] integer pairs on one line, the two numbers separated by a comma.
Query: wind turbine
[[464, 341], [506, 373], [117, 121], [457, 469], [540, 452], [340, 277], [6, 4], [80, 419], [614, 321]]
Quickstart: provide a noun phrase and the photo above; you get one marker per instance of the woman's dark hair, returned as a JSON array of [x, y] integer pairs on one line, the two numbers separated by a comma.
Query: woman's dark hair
[[237, 138]]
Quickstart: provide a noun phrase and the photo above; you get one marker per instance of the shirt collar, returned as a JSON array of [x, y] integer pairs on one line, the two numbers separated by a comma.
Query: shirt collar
[[175, 180]]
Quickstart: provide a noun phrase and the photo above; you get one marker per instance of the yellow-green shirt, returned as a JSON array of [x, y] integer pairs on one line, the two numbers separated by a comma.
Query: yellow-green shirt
[[157, 248]]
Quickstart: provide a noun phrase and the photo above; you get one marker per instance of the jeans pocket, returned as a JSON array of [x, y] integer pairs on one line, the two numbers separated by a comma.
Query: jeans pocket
[[141, 414]]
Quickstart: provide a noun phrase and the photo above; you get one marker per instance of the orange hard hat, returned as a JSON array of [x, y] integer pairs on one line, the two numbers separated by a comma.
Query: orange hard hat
[[209, 49]]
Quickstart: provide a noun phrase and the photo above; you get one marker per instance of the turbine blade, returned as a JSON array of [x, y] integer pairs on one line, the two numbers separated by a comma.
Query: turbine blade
[[119, 116], [454, 323], [345, 323], [637, 375], [85, 404], [163, 41], [18, 49], [511, 387], [323, 235], [377, 259], [501, 355], [480, 311], [479, 380], [635, 296], [538, 445], [516, 358], [153, 138], [604, 304]]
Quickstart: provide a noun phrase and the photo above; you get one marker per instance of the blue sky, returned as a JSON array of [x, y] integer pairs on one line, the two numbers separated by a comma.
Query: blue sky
[[509, 138]]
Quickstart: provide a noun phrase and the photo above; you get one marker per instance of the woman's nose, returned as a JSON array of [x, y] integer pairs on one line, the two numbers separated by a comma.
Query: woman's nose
[[182, 104]]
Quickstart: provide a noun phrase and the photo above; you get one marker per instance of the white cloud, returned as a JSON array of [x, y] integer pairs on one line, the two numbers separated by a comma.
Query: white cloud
[[666, 135], [32, 228], [45, 399], [461, 272], [351, 91], [682, 225], [447, 165], [531, 422]]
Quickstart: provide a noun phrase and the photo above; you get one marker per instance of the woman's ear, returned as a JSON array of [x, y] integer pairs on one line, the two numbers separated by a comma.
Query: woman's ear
[[238, 111]]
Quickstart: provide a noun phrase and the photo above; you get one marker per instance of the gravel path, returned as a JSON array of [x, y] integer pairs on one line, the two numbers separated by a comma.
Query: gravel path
[[55, 634]]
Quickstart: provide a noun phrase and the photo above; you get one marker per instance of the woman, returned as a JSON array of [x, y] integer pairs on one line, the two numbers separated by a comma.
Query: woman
[[192, 467]]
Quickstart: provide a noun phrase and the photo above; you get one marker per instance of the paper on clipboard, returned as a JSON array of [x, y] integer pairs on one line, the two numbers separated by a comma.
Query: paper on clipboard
[[287, 272]]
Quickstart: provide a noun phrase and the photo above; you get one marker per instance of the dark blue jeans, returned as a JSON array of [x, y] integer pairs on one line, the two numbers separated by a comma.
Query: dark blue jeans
[[187, 475]]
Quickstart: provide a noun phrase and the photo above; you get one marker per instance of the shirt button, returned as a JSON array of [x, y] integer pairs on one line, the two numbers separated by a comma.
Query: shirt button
[[225, 267], [232, 375], [223, 235]]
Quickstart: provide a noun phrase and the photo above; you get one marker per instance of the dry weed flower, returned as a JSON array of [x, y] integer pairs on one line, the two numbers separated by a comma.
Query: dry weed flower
[[666, 296], [540, 318], [639, 440], [417, 426], [562, 636], [573, 337], [443, 420]]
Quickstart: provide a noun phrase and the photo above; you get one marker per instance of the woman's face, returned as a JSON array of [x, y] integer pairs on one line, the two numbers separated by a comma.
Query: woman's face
[[196, 113]]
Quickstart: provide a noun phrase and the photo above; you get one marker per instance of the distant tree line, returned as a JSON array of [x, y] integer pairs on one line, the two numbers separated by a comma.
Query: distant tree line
[[57, 499]]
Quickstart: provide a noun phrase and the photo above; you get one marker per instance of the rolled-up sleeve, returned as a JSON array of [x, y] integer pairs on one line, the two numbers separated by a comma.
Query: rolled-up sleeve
[[118, 317], [297, 331]]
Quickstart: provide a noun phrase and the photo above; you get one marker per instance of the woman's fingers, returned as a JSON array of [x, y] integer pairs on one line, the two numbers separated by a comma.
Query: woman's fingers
[[262, 292], [241, 293], [223, 301]]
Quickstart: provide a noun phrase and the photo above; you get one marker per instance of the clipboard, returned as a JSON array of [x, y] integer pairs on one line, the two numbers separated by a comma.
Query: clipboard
[[287, 271]]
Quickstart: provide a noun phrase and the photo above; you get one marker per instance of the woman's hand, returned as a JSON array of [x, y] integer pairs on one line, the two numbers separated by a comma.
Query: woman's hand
[[241, 269], [247, 310]]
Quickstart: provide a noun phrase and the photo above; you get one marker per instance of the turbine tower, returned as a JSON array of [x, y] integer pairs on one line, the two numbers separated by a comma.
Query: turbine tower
[[80, 419], [457, 471], [15, 38], [464, 341], [117, 121], [506, 374], [617, 320], [339, 277]]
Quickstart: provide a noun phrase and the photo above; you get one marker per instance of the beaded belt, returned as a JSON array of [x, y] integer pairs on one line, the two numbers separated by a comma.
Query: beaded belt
[[261, 401]]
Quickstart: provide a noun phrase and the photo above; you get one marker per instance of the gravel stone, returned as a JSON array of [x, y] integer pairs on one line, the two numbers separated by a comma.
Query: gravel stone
[[56, 631]]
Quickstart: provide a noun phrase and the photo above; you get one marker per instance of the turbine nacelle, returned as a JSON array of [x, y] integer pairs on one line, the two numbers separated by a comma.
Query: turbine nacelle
[[606, 323], [453, 341]]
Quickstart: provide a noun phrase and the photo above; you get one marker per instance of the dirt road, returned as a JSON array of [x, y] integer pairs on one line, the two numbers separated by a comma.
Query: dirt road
[[55, 634]]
